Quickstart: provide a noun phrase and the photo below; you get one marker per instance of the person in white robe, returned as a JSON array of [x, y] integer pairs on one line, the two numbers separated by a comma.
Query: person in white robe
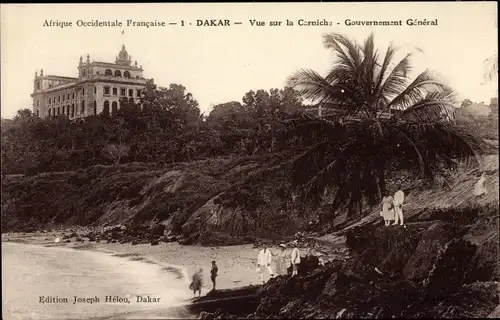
[[282, 261], [264, 261], [399, 198], [480, 187], [295, 260], [387, 212]]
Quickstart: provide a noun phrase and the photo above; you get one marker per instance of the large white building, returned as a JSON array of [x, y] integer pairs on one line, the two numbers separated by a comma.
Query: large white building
[[98, 88]]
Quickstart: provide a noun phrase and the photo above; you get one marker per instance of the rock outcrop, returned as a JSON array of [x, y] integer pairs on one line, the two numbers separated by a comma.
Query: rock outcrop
[[429, 269]]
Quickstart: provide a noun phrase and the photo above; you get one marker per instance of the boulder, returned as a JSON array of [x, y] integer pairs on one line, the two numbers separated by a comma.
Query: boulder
[[422, 260], [308, 264], [290, 310], [322, 282], [386, 248], [206, 315], [485, 264], [450, 268], [158, 230], [171, 238], [475, 300]]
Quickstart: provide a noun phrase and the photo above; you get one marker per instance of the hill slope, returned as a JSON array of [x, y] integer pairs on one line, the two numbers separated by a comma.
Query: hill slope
[[216, 201]]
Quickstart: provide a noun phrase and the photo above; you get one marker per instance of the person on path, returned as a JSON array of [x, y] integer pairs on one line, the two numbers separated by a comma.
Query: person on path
[[264, 263], [213, 274], [197, 282], [480, 187], [282, 261], [399, 198], [295, 260], [387, 208]]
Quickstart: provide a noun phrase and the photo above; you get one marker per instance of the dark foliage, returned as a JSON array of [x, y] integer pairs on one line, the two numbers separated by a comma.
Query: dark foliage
[[382, 120]]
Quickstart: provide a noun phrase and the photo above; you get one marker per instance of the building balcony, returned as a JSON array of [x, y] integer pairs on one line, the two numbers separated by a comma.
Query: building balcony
[[100, 77]]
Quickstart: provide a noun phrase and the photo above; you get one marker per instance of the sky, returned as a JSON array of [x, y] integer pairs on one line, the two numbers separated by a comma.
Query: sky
[[221, 64]]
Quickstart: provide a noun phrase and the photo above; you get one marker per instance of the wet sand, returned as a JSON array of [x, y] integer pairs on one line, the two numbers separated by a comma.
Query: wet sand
[[237, 264]]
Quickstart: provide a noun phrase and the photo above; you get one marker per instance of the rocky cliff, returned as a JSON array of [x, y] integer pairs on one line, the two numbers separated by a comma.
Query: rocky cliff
[[429, 269], [193, 201]]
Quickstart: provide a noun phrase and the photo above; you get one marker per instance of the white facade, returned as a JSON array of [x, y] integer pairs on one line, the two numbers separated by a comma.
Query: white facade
[[98, 88]]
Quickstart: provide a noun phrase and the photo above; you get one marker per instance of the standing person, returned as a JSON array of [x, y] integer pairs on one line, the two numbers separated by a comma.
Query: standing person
[[213, 274], [295, 259], [264, 262], [197, 282], [282, 261], [480, 187], [399, 198], [387, 208]]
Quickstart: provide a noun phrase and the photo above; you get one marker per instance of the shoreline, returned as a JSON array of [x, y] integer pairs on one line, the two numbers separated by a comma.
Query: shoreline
[[236, 263]]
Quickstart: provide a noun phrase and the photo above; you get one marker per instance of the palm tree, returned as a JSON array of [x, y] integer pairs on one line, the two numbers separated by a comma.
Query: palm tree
[[387, 122]]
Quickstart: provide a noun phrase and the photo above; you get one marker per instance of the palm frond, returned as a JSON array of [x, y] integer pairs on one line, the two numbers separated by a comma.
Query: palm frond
[[389, 55], [409, 141], [368, 66], [425, 82], [350, 56], [444, 139], [397, 80], [312, 85], [434, 106]]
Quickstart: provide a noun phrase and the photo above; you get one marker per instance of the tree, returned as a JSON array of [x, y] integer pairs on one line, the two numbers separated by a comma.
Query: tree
[[23, 114], [387, 121], [116, 151], [465, 103], [228, 113]]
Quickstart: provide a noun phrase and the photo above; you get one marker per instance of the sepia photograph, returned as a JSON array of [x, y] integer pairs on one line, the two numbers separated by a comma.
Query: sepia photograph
[[250, 160]]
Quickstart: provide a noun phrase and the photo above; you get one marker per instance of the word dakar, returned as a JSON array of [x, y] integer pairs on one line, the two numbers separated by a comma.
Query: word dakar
[[91, 300]]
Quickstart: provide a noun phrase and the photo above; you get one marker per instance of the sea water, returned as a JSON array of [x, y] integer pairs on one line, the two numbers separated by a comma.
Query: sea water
[[62, 283]]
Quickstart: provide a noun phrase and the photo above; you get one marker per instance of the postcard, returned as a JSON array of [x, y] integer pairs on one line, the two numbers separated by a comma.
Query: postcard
[[249, 160]]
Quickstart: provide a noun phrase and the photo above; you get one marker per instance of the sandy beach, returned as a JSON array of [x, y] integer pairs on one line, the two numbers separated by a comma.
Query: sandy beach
[[237, 264]]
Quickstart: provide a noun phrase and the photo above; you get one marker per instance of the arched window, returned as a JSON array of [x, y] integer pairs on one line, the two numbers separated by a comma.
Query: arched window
[[114, 107], [108, 72], [72, 110], [83, 72], [105, 109], [58, 110], [95, 107], [118, 73], [50, 112], [67, 110], [126, 74], [82, 109]]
